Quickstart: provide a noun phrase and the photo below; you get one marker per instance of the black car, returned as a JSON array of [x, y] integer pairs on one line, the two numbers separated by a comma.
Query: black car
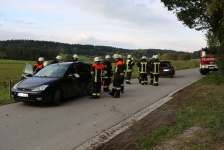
[[166, 69], [53, 83]]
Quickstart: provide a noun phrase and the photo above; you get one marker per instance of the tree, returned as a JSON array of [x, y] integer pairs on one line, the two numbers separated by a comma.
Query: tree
[[205, 15], [139, 53]]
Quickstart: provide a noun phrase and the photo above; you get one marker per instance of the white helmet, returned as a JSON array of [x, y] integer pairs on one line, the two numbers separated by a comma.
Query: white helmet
[[129, 56], [96, 59], [75, 56], [143, 57], [41, 59], [116, 56], [59, 57], [120, 56], [107, 56], [155, 56]]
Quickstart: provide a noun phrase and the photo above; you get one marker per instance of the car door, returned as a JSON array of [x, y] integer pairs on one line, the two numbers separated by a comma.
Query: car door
[[27, 71], [72, 82]]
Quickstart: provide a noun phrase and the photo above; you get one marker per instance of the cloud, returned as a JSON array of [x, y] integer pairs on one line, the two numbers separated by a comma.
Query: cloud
[[130, 11], [131, 24], [10, 34]]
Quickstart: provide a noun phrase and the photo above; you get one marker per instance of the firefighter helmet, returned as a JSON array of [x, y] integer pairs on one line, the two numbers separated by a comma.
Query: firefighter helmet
[[143, 57], [41, 59], [59, 57], [129, 56], [107, 56], [155, 56], [116, 56], [96, 59], [75, 56]]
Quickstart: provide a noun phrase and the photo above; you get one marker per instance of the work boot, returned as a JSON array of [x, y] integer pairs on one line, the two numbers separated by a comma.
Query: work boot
[[105, 90], [112, 92], [93, 97], [155, 84], [122, 89], [127, 82], [117, 94]]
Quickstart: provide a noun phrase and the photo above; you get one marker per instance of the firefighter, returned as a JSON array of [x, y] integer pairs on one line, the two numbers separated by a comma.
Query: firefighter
[[143, 66], [155, 73], [151, 69], [75, 58], [108, 73], [39, 65], [122, 77], [118, 73], [96, 71], [129, 69], [57, 59]]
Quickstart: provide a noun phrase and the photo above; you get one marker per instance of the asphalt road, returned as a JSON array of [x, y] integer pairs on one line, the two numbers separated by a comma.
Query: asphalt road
[[25, 127]]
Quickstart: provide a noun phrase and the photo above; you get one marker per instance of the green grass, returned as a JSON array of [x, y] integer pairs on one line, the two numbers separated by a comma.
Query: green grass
[[185, 64], [203, 106]]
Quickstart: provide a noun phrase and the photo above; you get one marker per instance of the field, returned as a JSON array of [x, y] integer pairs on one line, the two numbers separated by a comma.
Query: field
[[11, 71]]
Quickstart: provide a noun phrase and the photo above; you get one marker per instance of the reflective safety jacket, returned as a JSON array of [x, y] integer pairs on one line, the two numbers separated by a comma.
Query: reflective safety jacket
[[96, 72], [108, 72], [129, 65], [143, 66], [155, 66], [37, 67], [119, 69]]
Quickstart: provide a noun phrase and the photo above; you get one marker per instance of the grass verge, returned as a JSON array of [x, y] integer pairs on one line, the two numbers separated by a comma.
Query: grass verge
[[200, 105]]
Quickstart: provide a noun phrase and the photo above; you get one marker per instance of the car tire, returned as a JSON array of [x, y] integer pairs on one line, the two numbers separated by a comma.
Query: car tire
[[56, 98], [89, 88], [28, 103], [204, 72]]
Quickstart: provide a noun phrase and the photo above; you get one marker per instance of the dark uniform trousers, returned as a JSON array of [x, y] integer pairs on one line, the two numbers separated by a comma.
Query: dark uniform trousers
[[143, 68], [107, 75], [96, 72], [129, 66], [118, 73], [106, 85], [122, 84], [156, 72]]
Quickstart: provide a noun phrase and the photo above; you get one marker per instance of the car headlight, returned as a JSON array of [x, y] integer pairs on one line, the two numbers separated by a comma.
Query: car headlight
[[15, 86], [40, 88]]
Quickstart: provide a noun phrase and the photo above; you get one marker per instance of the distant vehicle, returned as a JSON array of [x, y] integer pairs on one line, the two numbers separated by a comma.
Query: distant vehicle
[[53, 83], [207, 62], [166, 69]]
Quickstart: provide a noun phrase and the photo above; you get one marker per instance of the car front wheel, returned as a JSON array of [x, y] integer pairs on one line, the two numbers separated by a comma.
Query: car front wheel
[[89, 88], [56, 98]]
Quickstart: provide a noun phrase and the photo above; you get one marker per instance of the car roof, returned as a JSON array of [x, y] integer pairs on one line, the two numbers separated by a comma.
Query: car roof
[[69, 63]]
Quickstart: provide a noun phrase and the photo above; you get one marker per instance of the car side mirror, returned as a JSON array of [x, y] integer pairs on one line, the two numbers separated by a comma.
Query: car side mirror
[[74, 75], [29, 75]]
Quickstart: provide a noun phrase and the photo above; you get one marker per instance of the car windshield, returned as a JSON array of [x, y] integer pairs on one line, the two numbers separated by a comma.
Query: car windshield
[[54, 71]]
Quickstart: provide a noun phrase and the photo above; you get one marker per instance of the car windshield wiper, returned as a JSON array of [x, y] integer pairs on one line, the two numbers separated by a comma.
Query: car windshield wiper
[[42, 76]]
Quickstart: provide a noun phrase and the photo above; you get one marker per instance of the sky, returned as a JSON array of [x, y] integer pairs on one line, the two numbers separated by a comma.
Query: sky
[[128, 24]]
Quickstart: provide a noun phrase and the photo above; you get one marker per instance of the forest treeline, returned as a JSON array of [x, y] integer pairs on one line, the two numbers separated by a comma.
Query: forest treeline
[[32, 49]]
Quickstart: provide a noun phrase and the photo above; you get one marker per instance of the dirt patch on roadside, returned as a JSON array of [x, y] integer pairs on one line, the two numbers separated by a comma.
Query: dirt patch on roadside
[[128, 140], [164, 115]]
